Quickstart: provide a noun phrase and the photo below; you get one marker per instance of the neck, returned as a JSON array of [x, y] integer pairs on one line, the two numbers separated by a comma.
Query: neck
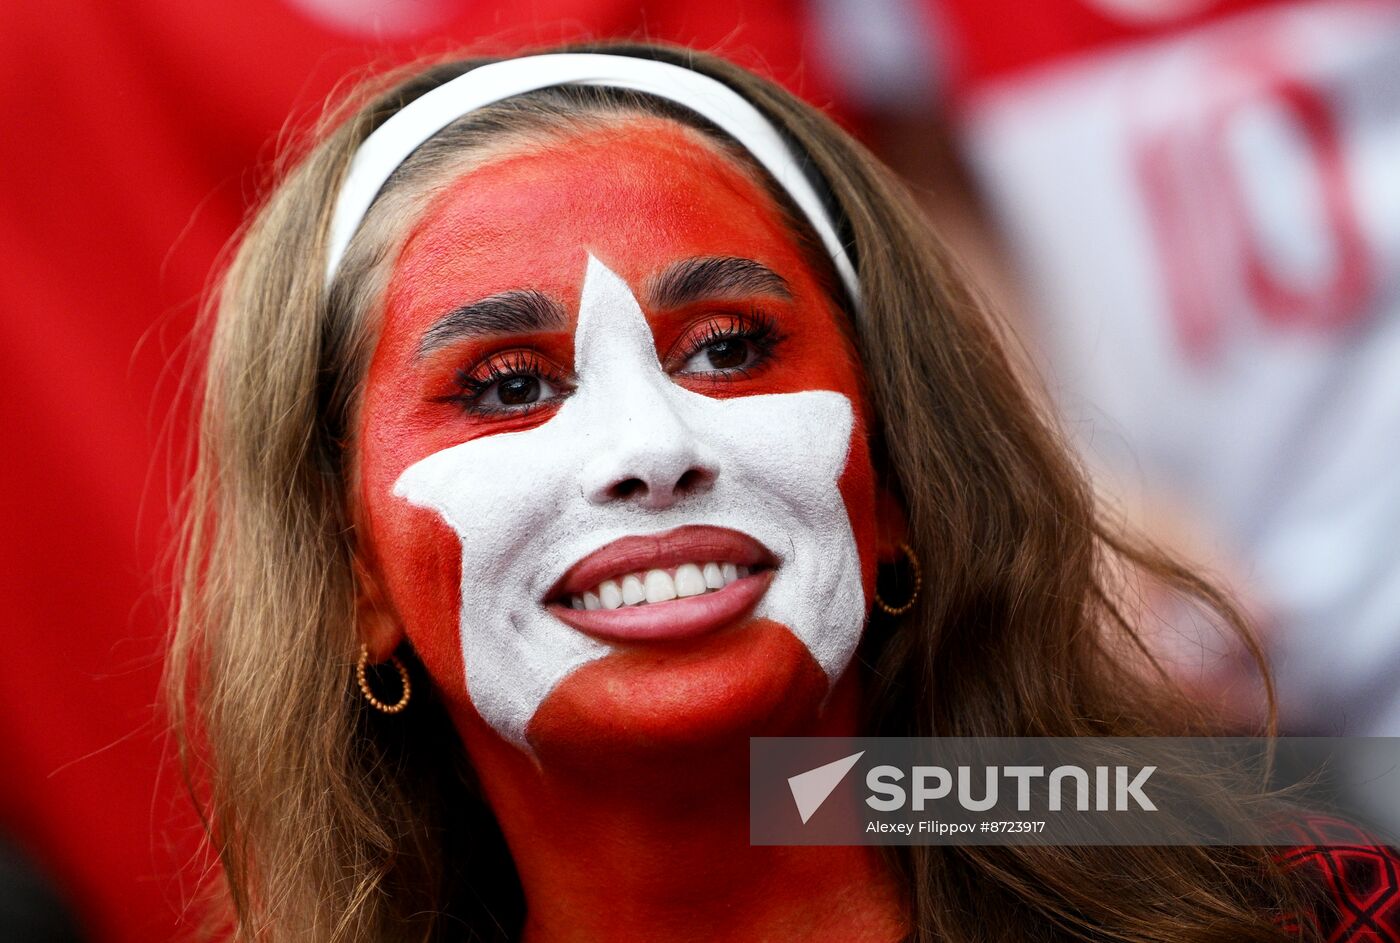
[[656, 846]]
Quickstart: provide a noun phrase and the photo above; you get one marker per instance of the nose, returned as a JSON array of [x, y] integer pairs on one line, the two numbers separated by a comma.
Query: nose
[[655, 490], [655, 465]]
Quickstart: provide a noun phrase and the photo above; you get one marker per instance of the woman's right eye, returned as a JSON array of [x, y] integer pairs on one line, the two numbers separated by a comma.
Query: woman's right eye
[[513, 382], [520, 390]]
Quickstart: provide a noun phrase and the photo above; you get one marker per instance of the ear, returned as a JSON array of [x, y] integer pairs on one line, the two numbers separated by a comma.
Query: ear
[[891, 526], [379, 627]]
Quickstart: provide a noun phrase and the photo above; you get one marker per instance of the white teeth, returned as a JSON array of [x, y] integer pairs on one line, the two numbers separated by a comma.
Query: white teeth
[[689, 580], [610, 594], [659, 586], [650, 586], [632, 591]]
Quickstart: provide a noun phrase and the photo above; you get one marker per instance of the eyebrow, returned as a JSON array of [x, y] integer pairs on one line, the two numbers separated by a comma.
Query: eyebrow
[[713, 278], [510, 312]]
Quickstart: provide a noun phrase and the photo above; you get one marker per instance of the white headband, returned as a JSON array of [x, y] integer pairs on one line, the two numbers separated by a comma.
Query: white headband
[[392, 142]]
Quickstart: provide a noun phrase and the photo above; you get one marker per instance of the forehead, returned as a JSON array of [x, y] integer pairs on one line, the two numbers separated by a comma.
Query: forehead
[[637, 194]]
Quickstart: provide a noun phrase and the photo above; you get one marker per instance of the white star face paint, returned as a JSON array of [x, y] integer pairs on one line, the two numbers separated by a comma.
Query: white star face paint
[[528, 505]]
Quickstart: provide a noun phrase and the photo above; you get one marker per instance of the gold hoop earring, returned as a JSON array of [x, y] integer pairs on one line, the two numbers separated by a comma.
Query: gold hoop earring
[[918, 584], [375, 702]]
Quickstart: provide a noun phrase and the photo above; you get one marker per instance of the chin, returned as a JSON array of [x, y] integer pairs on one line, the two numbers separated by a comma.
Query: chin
[[684, 700]]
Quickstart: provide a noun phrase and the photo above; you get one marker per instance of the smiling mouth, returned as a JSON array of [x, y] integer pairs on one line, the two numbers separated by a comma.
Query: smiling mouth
[[648, 587], [679, 584]]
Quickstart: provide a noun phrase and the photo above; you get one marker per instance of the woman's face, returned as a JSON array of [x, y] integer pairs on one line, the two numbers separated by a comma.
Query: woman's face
[[612, 461]]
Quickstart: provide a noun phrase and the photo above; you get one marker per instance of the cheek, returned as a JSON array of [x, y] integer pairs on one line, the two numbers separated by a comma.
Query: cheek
[[420, 562], [415, 552], [857, 487], [816, 365]]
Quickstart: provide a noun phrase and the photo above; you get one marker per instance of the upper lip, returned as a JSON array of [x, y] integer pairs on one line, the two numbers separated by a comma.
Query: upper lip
[[694, 543]]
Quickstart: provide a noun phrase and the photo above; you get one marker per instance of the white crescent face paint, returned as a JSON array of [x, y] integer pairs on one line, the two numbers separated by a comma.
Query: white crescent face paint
[[527, 505]]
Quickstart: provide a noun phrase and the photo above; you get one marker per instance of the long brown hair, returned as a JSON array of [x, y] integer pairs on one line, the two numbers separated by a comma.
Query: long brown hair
[[334, 825]]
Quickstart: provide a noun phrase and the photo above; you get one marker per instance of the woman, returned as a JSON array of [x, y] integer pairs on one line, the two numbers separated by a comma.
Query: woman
[[592, 395]]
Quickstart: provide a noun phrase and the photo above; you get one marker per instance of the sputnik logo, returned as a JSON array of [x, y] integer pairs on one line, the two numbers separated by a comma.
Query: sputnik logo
[[811, 789]]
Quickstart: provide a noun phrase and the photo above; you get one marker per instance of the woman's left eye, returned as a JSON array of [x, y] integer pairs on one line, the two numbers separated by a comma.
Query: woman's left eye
[[732, 346], [721, 355]]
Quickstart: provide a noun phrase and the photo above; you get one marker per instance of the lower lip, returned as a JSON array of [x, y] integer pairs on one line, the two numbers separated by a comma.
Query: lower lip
[[675, 619]]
